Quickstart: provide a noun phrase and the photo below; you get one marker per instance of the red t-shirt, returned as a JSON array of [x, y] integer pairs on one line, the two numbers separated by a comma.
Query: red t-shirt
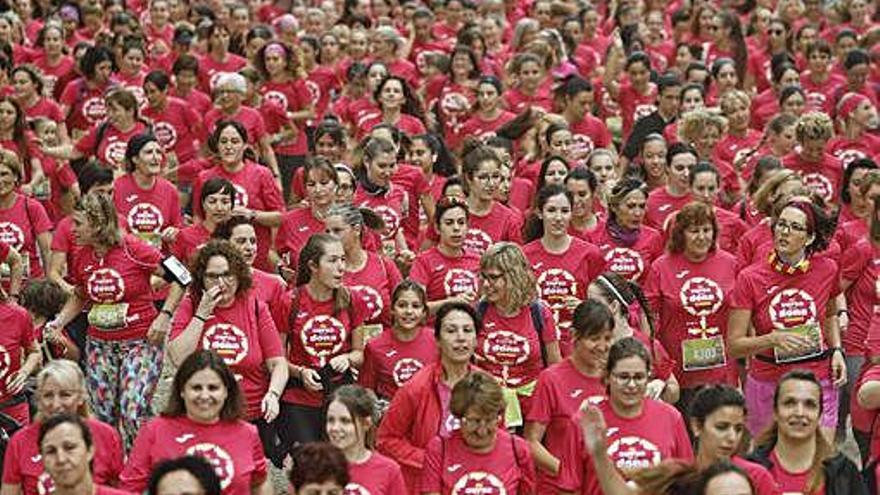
[[121, 276], [291, 96], [177, 127], [321, 83], [412, 180], [272, 290], [255, 188], [61, 178], [861, 267], [296, 228], [53, 74], [244, 335], [390, 362], [479, 128], [147, 211], [731, 148], [780, 301], [691, 304], [588, 134], [444, 276], [408, 124], [319, 334], [20, 225], [111, 149], [629, 262], [731, 228], [820, 96], [86, 105], [500, 224], [232, 447], [251, 119], [45, 108], [16, 339], [23, 465], [762, 480], [210, 69], [561, 276], [847, 150], [452, 468], [661, 205], [787, 481], [393, 207], [198, 100], [374, 284], [518, 101], [560, 392], [378, 475], [189, 240], [823, 177], [634, 105]]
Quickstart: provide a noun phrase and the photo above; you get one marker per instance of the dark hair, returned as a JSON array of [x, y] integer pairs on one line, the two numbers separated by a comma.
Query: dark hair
[[534, 228], [717, 469], [360, 403], [789, 90], [573, 85], [329, 128], [449, 307], [765, 164], [636, 57], [445, 204], [475, 64], [224, 230], [200, 359], [94, 174], [158, 78], [411, 104], [856, 56], [691, 214], [780, 70], [583, 173], [135, 145], [311, 253], [819, 223], [318, 462], [711, 398], [703, 167], [545, 165], [444, 164], [219, 127], [65, 418], [33, 73], [590, 318], [93, 56], [679, 148], [407, 285], [238, 267], [626, 292], [627, 347], [737, 42], [861, 163], [185, 62], [692, 87], [667, 81], [216, 185], [196, 466], [43, 297]]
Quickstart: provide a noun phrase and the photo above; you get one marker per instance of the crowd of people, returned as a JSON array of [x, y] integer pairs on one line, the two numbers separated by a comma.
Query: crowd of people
[[446, 247]]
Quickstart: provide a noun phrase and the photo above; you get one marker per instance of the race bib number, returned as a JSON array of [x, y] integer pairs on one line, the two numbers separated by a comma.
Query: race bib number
[[813, 334], [703, 354], [369, 332], [152, 238], [108, 316]]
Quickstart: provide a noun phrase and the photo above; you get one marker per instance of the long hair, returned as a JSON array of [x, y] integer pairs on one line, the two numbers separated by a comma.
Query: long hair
[[238, 267], [411, 104], [534, 227], [309, 257], [100, 213], [519, 279], [361, 404], [199, 360], [19, 131]]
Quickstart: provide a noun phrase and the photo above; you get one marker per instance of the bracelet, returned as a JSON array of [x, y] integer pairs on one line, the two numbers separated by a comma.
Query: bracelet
[[276, 394], [838, 349], [166, 311], [200, 318]]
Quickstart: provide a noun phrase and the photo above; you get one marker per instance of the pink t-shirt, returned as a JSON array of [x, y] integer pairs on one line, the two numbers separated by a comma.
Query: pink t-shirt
[[251, 119], [634, 105], [588, 134], [860, 266], [177, 128], [823, 177], [390, 362], [451, 467], [296, 227], [210, 69], [85, 105], [378, 475], [444, 276], [691, 301], [731, 228], [787, 481], [661, 205], [411, 179], [272, 290], [232, 447], [121, 276], [762, 480], [393, 207], [111, 149], [629, 262], [518, 101], [779, 300], [147, 212], [848, 150], [500, 224], [23, 464], [374, 284], [52, 74], [291, 96], [561, 276], [16, 339], [20, 224], [244, 335], [189, 240]]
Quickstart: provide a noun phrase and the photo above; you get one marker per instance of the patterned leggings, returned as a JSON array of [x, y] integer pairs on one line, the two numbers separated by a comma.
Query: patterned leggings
[[122, 377]]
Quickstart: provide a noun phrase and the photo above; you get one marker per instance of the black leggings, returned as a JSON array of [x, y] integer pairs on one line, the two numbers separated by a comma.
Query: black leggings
[[299, 424], [272, 446]]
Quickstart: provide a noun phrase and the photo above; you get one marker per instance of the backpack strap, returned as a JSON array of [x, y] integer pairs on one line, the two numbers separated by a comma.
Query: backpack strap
[[537, 312], [482, 306]]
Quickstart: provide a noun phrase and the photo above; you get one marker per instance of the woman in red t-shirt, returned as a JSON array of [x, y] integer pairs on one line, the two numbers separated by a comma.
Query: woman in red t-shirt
[[488, 113], [217, 197], [19, 358], [177, 124], [350, 420], [521, 337], [57, 67], [398, 107], [689, 289], [203, 417], [82, 99], [403, 348], [789, 302], [31, 97], [61, 389], [561, 390], [24, 224], [581, 183], [15, 136], [481, 454], [321, 185], [856, 115]]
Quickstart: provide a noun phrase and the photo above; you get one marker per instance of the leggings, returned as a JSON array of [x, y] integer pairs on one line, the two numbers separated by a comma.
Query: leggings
[[299, 424], [121, 380]]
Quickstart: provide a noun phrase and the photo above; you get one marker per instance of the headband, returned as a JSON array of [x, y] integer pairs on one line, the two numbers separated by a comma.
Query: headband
[[276, 49], [807, 209], [849, 103], [608, 285]]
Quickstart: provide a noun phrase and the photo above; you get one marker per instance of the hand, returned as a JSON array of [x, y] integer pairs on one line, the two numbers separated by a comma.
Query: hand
[[15, 382], [405, 256], [655, 389], [312, 380], [838, 369], [169, 234], [340, 363], [241, 211], [52, 331], [287, 272], [790, 343], [158, 329], [209, 301], [466, 297], [269, 406], [27, 190], [593, 427]]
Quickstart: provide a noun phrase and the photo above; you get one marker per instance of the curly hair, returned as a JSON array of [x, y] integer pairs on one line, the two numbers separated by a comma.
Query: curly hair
[[692, 214], [693, 123], [318, 462], [519, 279], [765, 197], [238, 267], [100, 212], [814, 125]]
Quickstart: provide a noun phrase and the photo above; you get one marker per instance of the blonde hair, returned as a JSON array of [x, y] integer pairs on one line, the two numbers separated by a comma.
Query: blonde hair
[[765, 196], [516, 271], [729, 98], [65, 371], [693, 123], [11, 161], [100, 212], [814, 125]]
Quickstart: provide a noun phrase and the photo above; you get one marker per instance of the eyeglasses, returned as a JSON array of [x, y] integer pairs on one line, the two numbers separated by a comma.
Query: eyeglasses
[[790, 227], [477, 423], [226, 276], [624, 379]]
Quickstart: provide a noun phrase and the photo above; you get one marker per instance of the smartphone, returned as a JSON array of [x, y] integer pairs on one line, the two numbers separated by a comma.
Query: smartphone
[[177, 270]]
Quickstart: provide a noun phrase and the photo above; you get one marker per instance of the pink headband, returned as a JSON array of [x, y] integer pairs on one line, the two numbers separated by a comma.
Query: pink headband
[[849, 103], [275, 49], [807, 208]]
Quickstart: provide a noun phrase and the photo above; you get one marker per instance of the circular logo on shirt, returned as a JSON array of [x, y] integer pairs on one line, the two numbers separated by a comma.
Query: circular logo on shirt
[[115, 152], [355, 489], [792, 307], [820, 185], [581, 145], [506, 348], [94, 110], [166, 134], [454, 102], [218, 458], [627, 263], [555, 284], [49, 83], [478, 482], [45, 485], [241, 196], [5, 362], [138, 94], [12, 235], [632, 453], [404, 369], [371, 298], [276, 97], [643, 111], [314, 91], [390, 217], [816, 100], [228, 341], [848, 156], [458, 281], [323, 336], [701, 296], [105, 285], [477, 241], [145, 217]]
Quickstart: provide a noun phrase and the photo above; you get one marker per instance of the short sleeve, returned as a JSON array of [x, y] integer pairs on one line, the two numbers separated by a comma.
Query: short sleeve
[[419, 273], [549, 334], [144, 254], [38, 217], [271, 194], [852, 263], [12, 460], [367, 375], [270, 341], [741, 297], [87, 144], [137, 469], [541, 401]]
